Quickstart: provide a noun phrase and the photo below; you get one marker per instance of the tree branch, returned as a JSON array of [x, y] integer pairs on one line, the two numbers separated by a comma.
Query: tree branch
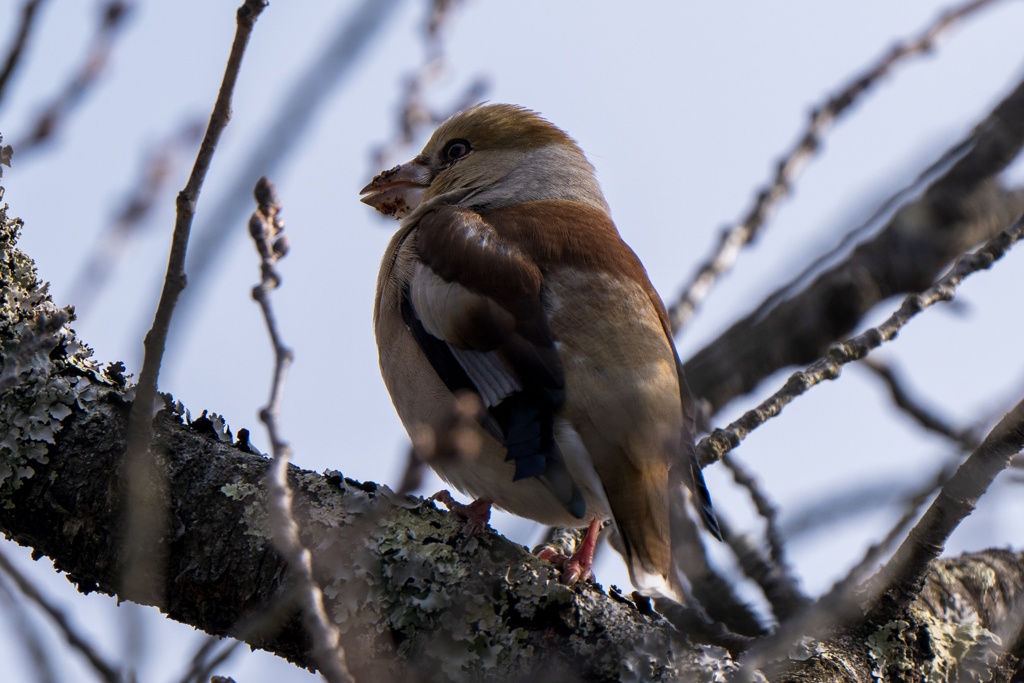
[[961, 209], [788, 168], [414, 602]]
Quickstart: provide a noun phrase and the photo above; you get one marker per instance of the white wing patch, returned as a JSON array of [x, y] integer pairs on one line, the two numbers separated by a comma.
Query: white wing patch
[[492, 378]]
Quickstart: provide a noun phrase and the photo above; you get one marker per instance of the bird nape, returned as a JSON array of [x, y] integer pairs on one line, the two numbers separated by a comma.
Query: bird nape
[[507, 278]]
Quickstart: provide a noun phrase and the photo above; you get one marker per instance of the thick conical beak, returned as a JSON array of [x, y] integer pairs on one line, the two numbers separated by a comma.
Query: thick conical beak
[[397, 191]]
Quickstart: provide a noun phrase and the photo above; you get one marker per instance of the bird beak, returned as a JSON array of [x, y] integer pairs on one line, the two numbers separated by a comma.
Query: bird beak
[[397, 191]]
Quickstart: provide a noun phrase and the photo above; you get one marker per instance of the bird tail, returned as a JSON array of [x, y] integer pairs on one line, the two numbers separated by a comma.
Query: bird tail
[[701, 495], [640, 510]]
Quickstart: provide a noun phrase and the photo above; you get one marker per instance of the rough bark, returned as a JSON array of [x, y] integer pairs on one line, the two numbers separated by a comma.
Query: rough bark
[[414, 599]]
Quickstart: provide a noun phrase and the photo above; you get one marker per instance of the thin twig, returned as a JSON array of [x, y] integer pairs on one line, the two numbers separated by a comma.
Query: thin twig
[[144, 512], [53, 116], [773, 573], [256, 626], [308, 91], [847, 598], [875, 551], [37, 648], [715, 592], [778, 584], [788, 168], [714, 446], [764, 507], [204, 672], [964, 438], [103, 669], [886, 210], [902, 577], [842, 505], [28, 15], [265, 228], [201, 663], [415, 115], [959, 210]]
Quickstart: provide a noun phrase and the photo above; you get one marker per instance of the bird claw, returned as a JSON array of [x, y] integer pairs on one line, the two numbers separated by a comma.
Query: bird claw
[[578, 566], [574, 568], [477, 514]]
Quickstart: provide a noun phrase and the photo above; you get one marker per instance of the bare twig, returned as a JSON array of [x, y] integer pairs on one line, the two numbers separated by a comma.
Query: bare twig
[[712, 590], [902, 577], [53, 116], [198, 661], [144, 513], [412, 475], [265, 228], [778, 583], [296, 113], [899, 582], [455, 438], [255, 626], [203, 664], [845, 587], [28, 15], [822, 118], [839, 505], [773, 573], [764, 507], [964, 438], [721, 441], [960, 209], [843, 599], [103, 669], [37, 648], [415, 115]]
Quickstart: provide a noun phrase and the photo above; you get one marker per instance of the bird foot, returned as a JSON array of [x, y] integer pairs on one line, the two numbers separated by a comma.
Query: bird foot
[[578, 566], [476, 514]]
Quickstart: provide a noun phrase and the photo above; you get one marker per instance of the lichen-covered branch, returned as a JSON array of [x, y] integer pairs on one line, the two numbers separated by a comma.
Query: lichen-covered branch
[[964, 626], [413, 600]]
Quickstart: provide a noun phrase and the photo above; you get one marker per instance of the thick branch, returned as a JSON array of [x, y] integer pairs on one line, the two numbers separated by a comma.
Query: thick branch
[[904, 574], [965, 626], [414, 601], [395, 575], [961, 209]]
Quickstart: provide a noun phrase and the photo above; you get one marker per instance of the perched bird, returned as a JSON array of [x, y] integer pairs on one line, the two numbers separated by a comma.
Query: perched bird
[[507, 278]]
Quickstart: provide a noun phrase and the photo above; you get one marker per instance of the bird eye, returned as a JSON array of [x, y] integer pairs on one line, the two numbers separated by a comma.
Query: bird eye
[[455, 150]]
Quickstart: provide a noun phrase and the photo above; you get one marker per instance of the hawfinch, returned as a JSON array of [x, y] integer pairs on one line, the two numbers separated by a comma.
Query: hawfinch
[[507, 278]]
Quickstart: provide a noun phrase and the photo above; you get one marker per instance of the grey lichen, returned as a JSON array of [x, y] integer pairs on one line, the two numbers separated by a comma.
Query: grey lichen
[[405, 586], [958, 651], [45, 372], [255, 520]]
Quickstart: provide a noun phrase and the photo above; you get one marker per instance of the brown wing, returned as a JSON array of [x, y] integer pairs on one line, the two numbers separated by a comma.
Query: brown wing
[[474, 306], [585, 238]]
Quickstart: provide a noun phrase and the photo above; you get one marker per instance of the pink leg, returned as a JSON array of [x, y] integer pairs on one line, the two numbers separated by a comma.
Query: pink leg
[[476, 514], [578, 566]]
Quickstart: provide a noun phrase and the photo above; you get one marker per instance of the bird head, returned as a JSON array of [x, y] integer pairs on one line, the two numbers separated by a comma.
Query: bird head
[[486, 157]]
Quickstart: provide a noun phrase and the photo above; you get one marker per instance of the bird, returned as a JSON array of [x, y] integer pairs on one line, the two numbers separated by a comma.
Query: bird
[[507, 279]]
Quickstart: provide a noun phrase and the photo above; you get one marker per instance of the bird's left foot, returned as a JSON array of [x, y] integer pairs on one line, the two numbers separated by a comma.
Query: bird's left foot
[[578, 566], [477, 514]]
